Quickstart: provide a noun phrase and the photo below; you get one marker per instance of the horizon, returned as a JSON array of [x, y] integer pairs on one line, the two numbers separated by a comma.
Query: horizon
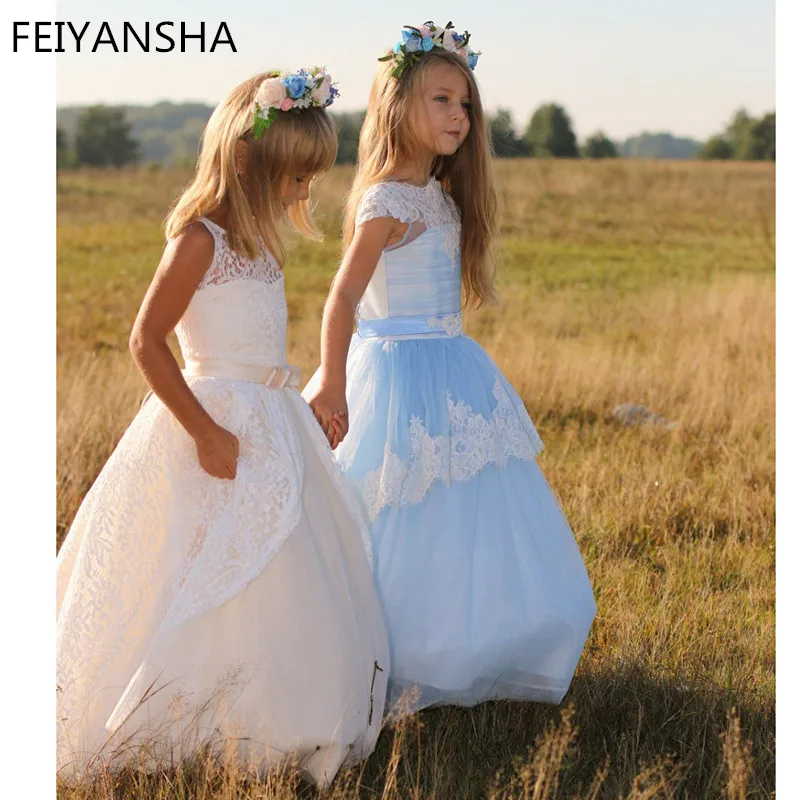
[[622, 69], [519, 127]]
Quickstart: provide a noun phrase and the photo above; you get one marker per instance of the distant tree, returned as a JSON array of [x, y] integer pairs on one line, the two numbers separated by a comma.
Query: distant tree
[[658, 145], [550, 133], [64, 156], [716, 148], [104, 138], [740, 135], [505, 142], [763, 138], [598, 145], [745, 139], [348, 128]]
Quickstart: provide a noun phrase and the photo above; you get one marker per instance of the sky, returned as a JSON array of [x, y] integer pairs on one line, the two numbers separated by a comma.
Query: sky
[[620, 66]]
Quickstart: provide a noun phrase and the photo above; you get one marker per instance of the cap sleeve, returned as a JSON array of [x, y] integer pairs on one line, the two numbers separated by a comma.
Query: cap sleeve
[[387, 199]]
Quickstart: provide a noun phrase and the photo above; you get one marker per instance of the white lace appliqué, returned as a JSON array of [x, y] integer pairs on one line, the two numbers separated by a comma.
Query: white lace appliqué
[[473, 442], [451, 324], [430, 204]]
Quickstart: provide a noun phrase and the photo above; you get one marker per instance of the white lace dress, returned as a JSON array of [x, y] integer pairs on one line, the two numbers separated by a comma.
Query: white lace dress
[[240, 614], [484, 589]]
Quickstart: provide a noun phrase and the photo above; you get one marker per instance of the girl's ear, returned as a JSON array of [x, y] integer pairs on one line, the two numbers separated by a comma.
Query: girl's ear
[[241, 157]]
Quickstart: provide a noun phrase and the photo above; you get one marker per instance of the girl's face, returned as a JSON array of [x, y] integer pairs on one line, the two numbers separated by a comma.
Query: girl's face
[[294, 189], [442, 117]]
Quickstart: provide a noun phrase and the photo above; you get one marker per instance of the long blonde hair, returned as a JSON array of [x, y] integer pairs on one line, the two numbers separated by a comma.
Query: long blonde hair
[[296, 142], [388, 140]]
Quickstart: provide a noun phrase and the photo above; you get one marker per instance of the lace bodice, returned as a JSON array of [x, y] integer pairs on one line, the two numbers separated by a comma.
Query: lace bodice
[[420, 276], [238, 312], [422, 207]]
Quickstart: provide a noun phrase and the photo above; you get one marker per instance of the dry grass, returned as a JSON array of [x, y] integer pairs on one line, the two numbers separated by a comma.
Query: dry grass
[[626, 282]]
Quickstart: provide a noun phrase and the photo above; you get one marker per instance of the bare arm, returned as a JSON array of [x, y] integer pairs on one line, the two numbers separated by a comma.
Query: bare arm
[[186, 259], [347, 290]]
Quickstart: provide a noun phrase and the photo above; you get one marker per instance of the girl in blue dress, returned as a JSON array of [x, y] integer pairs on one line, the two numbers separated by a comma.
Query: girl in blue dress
[[483, 586]]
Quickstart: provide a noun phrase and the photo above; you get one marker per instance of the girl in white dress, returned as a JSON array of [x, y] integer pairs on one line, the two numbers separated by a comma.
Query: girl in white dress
[[215, 587]]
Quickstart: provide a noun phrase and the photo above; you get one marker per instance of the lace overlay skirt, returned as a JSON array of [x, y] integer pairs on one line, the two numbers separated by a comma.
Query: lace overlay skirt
[[240, 614]]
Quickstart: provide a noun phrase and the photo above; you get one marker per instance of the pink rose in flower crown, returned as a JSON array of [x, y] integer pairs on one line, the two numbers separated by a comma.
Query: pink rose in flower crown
[[271, 93], [425, 31], [287, 104], [448, 42]]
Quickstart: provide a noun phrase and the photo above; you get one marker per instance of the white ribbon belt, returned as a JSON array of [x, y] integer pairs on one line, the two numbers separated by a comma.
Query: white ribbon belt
[[272, 377]]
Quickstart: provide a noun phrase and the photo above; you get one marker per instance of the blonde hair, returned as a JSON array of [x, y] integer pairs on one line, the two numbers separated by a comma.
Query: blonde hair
[[388, 140], [296, 142]]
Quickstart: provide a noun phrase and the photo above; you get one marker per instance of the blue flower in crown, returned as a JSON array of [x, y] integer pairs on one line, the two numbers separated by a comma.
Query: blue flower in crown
[[295, 85], [415, 42], [334, 93], [411, 41]]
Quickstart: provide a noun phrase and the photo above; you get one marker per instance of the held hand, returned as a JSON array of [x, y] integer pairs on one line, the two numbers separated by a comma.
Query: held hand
[[218, 451], [338, 429], [325, 404]]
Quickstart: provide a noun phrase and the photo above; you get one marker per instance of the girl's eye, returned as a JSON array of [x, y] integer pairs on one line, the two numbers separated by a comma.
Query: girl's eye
[[440, 99], [467, 106]]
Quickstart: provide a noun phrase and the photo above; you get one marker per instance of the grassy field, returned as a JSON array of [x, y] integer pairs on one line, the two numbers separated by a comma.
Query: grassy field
[[621, 282]]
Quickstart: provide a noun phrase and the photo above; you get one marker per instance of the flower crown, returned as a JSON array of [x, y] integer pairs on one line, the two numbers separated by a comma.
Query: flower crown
[[288, 91], [418, 41]]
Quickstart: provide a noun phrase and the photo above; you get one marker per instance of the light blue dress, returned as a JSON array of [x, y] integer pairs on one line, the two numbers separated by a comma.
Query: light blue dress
[[484, 589]]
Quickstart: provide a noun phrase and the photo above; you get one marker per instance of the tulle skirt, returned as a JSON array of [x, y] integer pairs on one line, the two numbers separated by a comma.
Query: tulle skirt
[[483, 586]]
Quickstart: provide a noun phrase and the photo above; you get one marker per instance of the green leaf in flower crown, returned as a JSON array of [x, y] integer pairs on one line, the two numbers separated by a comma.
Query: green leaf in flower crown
[[387, 58], [272, 116], [259, 126]]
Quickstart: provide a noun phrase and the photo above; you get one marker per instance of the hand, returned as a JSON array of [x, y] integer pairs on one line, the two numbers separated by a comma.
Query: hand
[[339, 426], [327, 405], [218, 452]]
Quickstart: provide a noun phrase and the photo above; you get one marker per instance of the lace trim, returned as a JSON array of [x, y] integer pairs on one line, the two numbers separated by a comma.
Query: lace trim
[[429, 204], [228, 265], [452, 244], [472, 443], [451, 324]]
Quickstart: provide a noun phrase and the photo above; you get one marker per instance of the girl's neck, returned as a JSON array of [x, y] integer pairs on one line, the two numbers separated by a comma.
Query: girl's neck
[[418, 173]]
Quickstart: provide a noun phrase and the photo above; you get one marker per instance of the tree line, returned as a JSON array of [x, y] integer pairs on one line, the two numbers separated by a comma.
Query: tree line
[[104, 136], [746, 138]]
